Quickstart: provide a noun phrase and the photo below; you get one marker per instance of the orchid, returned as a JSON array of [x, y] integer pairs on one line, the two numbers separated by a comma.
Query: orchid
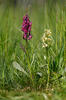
[[47, 39], [26, 28]]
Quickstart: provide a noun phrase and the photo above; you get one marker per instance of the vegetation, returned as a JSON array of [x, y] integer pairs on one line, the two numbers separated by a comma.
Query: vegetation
[[39, 72]]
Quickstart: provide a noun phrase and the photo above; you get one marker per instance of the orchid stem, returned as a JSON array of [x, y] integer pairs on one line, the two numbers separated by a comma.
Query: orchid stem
[[47, 51], [28, 61]]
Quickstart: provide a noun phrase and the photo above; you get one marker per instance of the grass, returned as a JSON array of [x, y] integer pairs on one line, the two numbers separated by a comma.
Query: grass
[[52, 94], [18, 71]]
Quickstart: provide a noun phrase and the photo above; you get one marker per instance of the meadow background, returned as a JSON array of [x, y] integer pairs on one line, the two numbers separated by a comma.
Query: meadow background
[[24, 76]]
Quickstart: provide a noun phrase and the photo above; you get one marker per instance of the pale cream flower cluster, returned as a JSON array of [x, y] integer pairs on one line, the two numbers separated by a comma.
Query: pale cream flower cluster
[[47, 39]]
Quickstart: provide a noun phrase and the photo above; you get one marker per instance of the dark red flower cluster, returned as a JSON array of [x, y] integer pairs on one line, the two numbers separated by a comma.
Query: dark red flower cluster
[[26, 28]]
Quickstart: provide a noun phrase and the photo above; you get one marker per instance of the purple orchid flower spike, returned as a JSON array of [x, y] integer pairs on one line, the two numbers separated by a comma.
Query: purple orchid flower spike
[[26, 28]]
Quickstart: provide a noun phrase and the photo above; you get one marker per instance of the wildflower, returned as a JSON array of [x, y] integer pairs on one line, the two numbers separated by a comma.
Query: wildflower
[[26, 28], [29, 36], [47, 39], [47, 31], [45, 45]]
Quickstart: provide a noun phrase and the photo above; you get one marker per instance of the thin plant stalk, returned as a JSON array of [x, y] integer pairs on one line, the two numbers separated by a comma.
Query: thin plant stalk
[[47, 54], [61, 30], [48, 72], [56, 27], [65, 47], [28, 61], [3, 78]]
